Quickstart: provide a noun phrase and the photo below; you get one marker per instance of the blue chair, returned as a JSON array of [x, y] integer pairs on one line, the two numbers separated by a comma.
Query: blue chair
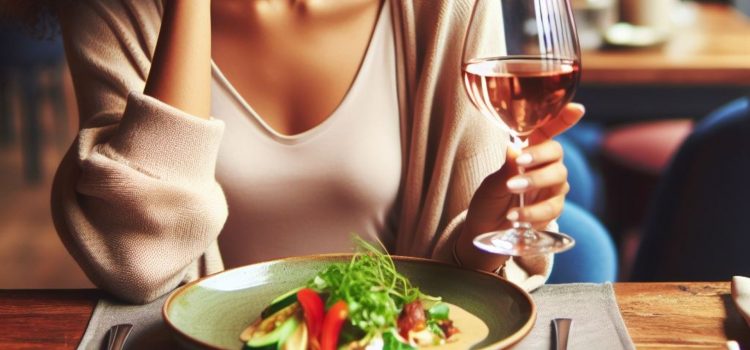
[[593, 258], [585, 185], [697, 228], [587, 136], [582, 143]]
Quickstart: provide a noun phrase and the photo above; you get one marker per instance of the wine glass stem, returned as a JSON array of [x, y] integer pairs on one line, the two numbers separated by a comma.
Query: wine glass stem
[[518, 224], [518, 144]]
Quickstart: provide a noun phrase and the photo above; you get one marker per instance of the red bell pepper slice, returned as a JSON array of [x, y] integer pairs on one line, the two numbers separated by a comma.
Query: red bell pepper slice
[[313, 309], [332, 323]]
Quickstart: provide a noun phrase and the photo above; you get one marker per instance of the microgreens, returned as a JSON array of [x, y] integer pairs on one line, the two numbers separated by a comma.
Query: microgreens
[[373, 289]]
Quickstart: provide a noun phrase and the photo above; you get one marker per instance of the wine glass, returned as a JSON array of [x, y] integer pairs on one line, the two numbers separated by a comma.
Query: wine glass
[[521, 66]]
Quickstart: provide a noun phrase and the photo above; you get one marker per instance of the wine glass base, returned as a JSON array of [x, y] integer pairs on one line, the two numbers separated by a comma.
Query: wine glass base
[[512, 243]]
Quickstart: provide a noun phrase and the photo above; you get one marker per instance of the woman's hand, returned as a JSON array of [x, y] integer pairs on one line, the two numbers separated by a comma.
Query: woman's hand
[[544, 184]]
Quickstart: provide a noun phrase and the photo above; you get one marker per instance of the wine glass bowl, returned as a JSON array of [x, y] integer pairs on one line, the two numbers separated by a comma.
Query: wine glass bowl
[[523, 92], [521, 66]]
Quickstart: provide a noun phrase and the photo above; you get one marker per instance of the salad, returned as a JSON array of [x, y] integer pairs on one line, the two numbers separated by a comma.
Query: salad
[[363, 304]]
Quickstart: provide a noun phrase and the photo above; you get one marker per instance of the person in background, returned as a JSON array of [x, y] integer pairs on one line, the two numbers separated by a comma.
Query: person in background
[[220, 133]]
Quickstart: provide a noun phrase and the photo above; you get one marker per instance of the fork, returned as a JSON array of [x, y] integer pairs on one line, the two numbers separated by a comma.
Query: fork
[[118, 334]]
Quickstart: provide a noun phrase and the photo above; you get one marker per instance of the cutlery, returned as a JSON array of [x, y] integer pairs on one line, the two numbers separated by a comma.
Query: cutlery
[[118, 334], [562, 329]]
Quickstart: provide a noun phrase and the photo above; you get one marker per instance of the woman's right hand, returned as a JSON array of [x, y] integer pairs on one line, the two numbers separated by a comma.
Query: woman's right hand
[[180, 72]]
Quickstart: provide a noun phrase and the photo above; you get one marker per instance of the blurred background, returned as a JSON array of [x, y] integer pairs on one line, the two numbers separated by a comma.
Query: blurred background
[[658, 166], [38, 122]]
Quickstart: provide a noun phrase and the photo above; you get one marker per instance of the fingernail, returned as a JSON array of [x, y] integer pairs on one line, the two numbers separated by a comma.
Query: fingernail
[[512, 215], [579, 107], [524, 159], [518, 183]]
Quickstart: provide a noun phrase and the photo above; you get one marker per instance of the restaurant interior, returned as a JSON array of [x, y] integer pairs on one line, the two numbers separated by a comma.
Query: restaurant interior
[[658, 166]]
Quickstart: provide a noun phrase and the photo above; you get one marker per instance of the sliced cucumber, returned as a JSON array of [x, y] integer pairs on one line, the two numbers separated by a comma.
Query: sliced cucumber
[[273, 339], [280, 302], [297, 340]]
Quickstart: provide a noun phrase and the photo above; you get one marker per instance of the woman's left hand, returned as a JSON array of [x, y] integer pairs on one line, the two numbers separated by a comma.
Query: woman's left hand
[[544, 184]]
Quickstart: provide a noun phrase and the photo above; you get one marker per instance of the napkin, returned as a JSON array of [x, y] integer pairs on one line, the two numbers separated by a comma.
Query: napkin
[[741, 296]]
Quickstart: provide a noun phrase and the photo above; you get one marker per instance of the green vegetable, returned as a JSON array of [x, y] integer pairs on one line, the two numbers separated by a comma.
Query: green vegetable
[[391, 342], [371, 287], [435, 329], [438, 312], [275, 338], [435, 314], [280, 302]]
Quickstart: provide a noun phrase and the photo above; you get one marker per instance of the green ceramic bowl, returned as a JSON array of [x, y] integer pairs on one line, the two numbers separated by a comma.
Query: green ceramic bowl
[[211, 312]]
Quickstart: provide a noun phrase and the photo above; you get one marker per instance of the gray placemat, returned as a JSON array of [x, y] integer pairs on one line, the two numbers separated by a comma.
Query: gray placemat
[[597, 323], [149, 331]]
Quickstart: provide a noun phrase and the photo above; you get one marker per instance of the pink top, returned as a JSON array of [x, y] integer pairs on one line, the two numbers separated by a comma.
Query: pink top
[[307, 193]]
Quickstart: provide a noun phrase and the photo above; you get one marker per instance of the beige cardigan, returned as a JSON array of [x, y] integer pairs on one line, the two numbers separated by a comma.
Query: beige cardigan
[[135, 200]]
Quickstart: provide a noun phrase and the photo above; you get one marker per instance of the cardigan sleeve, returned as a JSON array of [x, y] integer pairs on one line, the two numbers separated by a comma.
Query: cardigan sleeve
[[135, 200]]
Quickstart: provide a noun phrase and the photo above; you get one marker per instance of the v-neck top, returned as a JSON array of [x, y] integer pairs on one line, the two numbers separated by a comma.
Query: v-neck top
[[308, 193]]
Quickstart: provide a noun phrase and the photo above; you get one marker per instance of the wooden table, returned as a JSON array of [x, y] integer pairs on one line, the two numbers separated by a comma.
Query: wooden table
[[681, 315], [704, 65], [658, 316], [714, 48]]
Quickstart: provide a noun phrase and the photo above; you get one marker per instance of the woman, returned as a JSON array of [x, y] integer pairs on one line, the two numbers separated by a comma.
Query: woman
[[285, 126]]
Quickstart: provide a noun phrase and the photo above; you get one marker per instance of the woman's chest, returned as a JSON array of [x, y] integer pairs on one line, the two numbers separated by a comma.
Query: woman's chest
[[354, 156], [294, 70]]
